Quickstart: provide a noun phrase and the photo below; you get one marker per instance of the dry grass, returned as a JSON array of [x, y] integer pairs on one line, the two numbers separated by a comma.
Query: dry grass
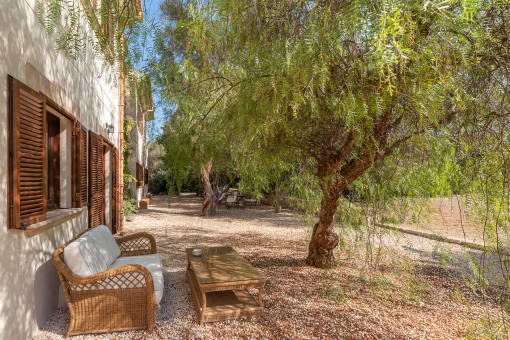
[[447, 216], [406, 296]]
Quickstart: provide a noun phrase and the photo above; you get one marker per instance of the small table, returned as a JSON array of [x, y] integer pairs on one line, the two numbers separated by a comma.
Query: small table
[[219, 280]]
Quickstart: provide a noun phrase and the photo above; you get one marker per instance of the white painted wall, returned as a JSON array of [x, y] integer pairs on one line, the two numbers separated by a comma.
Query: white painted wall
[[28, 281], [137, 155], [138, 149]]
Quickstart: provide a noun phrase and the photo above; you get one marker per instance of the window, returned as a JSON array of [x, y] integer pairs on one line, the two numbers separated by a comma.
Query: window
[[53, 161], [139, 174], [42, 149], [59, 158]]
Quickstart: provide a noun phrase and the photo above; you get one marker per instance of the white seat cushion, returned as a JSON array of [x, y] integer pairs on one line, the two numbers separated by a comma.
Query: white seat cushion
[[108, 247], [153, 263], [83, 256]]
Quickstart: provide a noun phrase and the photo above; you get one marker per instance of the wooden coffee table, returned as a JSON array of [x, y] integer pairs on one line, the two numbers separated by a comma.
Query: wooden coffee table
[[219, 280]]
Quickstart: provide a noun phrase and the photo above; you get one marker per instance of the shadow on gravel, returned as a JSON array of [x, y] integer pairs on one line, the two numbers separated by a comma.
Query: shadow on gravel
[[190, 205], [462, 262], [268, 262]]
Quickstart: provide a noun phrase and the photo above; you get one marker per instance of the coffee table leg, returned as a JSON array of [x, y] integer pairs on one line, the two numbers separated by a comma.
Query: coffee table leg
[[261, 290], [204, 305]]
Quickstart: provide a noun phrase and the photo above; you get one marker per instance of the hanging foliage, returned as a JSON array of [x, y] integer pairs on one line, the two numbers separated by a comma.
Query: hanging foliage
[[340, 85], [113, 30]]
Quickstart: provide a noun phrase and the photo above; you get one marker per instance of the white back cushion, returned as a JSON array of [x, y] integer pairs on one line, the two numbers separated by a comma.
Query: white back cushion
[[108, 247], [83, 257]]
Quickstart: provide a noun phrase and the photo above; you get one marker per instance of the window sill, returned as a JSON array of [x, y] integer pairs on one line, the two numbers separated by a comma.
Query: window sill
[[53, 218]]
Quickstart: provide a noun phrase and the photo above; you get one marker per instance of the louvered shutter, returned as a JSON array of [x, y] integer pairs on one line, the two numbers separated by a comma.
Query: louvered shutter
[[74, 163], [80, 165], [139, 174], [27, 155], [96, 180], [115, 185], [83, 166], [137, 179]]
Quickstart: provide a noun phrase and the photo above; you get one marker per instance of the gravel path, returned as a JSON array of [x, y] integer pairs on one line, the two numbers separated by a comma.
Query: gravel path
[[395, 300]]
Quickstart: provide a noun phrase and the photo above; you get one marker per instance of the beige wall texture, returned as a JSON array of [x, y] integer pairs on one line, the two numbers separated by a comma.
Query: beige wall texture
[[137, 155], [139, 151], [28, 280]]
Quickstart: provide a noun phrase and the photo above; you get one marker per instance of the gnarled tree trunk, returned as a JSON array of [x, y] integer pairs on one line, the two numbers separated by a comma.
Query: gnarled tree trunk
[[210, 202], [324, 238], [334, 178]]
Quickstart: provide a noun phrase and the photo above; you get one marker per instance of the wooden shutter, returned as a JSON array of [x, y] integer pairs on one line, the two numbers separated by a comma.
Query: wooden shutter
[[146, 176], [27, 155], [79, 165], [138, 174], [115, 185], [96, 180]]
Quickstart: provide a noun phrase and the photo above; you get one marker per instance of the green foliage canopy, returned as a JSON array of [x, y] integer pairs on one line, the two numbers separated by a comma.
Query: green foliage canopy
[[339, 84]]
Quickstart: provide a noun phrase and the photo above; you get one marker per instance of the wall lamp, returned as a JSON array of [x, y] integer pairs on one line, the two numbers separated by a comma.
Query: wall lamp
[[110, 128]]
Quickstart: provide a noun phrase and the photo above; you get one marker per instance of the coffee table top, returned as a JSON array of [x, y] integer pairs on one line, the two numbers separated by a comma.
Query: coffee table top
[[221, 265]]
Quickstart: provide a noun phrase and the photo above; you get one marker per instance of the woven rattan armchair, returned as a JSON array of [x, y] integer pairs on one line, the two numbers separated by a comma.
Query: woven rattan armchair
[[118, 299]]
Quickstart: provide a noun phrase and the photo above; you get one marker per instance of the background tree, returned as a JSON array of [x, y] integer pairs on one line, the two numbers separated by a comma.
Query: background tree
[[196, 151], [157, 171]]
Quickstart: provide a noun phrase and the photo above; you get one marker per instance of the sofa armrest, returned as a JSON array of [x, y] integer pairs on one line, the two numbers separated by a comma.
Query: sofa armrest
[[136, 244], [117, 292]]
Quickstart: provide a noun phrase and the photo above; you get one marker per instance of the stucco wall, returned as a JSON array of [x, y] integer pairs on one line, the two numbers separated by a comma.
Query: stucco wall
[[28, 283], [136, 145], [137, 155]]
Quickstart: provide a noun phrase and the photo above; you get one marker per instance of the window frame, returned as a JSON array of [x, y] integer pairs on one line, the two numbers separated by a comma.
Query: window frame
[[53, 189]]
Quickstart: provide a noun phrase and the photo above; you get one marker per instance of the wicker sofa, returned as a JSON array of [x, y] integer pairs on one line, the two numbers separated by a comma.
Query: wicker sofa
[[119, 294]]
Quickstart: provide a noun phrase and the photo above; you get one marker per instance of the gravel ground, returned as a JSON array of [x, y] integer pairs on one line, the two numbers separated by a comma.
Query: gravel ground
[[407, 295]]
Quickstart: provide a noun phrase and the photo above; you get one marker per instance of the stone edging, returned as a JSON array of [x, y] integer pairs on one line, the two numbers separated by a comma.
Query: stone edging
[[433, 236]]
